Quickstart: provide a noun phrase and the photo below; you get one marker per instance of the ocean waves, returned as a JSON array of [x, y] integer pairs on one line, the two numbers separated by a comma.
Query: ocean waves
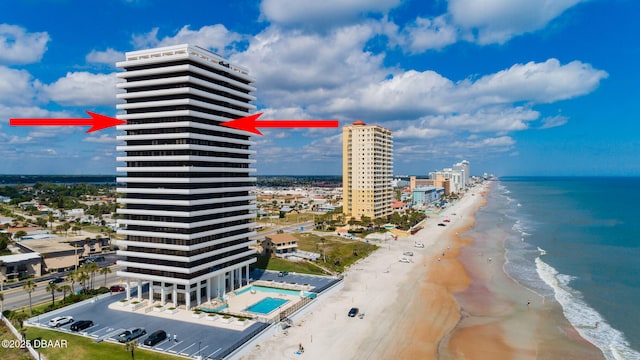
[[588, 322]]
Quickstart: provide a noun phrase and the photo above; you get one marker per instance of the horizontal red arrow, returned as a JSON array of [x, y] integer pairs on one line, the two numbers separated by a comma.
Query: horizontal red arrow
[[97, 122], [249, 123]]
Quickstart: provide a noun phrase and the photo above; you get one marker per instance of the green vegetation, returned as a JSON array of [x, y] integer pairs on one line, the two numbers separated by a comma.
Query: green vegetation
[[336, 253], [276, 264], [79, 348], [8, 353]]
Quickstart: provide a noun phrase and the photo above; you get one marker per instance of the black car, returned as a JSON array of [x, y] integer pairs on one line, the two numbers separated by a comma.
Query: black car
[[283, 273], [131, 334], [442, 224], [81, 325], [155, 337], [56, 280], [353, 312]]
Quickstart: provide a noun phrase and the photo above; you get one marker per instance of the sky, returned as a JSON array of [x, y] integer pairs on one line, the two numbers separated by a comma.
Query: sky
[[516, 87]]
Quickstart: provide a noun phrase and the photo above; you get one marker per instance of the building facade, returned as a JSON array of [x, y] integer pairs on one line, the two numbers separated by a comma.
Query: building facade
[[367, 171], [188, 214]]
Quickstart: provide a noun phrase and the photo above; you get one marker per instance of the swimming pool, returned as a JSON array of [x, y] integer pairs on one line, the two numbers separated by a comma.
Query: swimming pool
[[266, 305], [275, 291]]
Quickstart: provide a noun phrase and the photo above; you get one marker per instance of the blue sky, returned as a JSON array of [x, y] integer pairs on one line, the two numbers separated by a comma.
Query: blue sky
[[517, 87]]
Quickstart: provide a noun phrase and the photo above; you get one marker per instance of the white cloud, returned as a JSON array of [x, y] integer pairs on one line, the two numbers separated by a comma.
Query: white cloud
[[544, 82], [16, 87], [83, 89], [214, 37], [488, 119], [314, 13], [109, 56], [426, 34], [502, 143], [553, 121], [497, 21], [101, 139], [413, 132], [17, 46]]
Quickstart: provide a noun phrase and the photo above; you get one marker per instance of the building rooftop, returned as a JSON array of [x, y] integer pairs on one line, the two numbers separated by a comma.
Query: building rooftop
[[358, 122], [281, 238], [11, 259]]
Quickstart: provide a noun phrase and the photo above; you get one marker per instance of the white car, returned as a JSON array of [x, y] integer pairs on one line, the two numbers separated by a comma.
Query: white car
[[418, 245], [60, 320], [405, 260], [408, 253]]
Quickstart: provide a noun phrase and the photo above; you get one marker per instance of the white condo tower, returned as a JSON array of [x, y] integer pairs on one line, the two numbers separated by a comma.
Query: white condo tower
[[188, 212]]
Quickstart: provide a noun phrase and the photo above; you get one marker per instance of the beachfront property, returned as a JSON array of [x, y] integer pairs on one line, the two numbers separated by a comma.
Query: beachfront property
[[456, 179], [278, 244], [367, 170], [188, 216]]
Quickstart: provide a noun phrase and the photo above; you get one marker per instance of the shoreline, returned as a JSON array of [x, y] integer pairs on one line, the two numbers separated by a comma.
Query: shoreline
[[439, 306]]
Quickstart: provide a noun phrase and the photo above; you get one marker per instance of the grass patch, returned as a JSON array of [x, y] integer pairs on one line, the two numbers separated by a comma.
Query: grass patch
[[79, 347], [277, 264], [339, 252], [6, 352]]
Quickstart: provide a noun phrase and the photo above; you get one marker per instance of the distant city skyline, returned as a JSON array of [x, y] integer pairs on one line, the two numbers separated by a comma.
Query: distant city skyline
[[517, 87]]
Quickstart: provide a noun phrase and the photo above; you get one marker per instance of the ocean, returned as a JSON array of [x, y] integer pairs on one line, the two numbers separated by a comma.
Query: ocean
[[576, 240]]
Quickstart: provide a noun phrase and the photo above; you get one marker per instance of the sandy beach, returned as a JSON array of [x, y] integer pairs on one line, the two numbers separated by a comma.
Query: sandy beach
[[445, 304]]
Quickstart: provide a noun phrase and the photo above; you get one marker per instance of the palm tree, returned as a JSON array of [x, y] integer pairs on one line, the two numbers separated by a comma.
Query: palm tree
[[130, 346], [52, 287], [105, 270], [20, 317], [29, 287], [82, 279], [71, 277], [64, 289], [91, 269]]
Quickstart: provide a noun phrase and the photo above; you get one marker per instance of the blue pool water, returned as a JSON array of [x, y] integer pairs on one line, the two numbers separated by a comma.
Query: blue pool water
[[266, 305], [275, 291]]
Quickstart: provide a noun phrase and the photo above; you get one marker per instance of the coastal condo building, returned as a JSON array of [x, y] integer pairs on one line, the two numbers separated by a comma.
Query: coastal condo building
[[367, 171], [188, 214]]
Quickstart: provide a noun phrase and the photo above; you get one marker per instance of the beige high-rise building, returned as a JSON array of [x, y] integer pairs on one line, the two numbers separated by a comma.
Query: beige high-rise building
[[367, 170]]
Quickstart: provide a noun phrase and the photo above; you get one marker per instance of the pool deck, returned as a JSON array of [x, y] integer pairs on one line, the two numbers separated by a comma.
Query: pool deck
[[236, 306]]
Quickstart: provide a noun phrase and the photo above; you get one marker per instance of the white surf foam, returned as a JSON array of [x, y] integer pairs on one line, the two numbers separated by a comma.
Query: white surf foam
[[610, 341], [542, 251]]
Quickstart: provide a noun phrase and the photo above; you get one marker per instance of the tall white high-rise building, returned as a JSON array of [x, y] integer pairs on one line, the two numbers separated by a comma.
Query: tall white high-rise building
[[188, 214]]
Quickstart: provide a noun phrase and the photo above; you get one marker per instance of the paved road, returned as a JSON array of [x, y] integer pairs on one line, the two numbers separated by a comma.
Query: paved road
[[17, 298]]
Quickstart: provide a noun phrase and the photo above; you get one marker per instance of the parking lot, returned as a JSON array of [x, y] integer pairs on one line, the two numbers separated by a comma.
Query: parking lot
[[193, 339]]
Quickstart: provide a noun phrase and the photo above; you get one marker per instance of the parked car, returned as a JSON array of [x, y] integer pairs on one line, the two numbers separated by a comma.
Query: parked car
[[405, 260], [56, 280], [353, 312], [408, 253], [60, 320], [131, 334], [446, 220], [155, 337], [442, 224], [81, 325], [418, 245], [283, 273], [116, 288]]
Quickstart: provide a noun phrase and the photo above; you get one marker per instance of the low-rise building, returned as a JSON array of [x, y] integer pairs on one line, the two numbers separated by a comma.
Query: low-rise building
[[279, 244], [19, 266]]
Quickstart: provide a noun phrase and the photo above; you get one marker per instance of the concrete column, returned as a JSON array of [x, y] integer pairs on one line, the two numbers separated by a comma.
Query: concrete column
[[232, 280], [187, 297], [139, 290], [209, 289], [150, 292], [247, 271], [174, 296], [128, 282], [163, 294], [198, 289]]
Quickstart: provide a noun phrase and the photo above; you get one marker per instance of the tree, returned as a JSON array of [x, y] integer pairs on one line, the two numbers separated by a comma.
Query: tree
[[105, 270], [64, 289], [29, 286], [20, 317], [82, 279], [52, 287], [20, 234], [131, 346], [1, 304], [91, 269], [71, 277], [76, 228], [41, 222]]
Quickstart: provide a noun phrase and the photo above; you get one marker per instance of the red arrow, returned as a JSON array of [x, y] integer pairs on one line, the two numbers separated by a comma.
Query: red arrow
[[249, 123], [97, 122]]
